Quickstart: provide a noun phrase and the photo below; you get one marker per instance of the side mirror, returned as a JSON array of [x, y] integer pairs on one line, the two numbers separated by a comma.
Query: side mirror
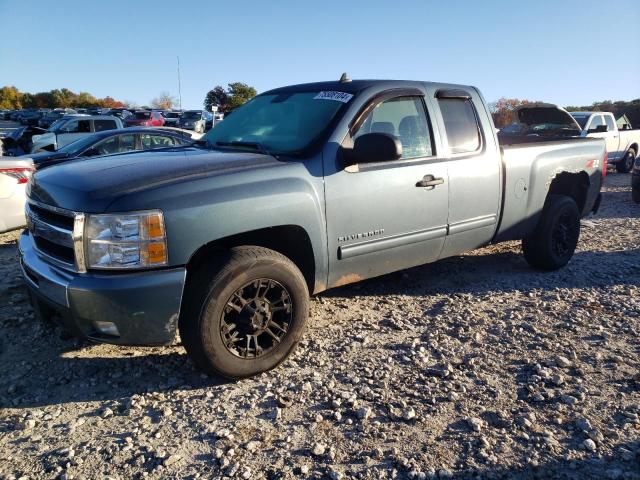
[[376, 147], [599, 129]]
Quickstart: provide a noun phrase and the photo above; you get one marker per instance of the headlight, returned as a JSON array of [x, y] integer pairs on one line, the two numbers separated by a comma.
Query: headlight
[[128, 240]]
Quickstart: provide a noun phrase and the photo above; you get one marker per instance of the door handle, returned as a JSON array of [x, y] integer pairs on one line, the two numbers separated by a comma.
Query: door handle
[[429, 181]]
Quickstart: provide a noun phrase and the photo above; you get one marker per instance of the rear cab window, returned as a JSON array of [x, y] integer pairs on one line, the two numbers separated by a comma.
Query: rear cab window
[[460, 124], [611, 126], [102, 125]]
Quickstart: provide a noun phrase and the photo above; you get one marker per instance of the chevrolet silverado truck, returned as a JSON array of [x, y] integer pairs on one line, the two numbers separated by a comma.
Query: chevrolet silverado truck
[[622, 145], [304, 188]]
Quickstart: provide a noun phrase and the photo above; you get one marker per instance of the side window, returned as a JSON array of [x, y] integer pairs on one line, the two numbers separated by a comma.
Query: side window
[[108, 146], [611, 126], [77, 126], [460, 124], [149, 142], [404, 118], [596, 121], [101, 125], [127, 143]]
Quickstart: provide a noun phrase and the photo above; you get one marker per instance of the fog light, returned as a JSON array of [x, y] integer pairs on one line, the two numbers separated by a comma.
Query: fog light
[[106, 328]]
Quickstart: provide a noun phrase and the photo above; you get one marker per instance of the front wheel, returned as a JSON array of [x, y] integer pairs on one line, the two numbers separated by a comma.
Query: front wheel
[[245, 313], [626, 164], [555, 238]]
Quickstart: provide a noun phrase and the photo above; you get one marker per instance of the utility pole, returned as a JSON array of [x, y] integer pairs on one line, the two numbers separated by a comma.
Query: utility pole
[[179, 88]]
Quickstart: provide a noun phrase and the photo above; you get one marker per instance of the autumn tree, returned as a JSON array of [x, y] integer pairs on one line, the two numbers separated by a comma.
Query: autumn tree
[[503, 110], [165, 101], [10, 98]]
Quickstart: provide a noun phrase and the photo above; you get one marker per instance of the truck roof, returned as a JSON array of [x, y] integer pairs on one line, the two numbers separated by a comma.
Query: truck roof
[[356, 86]]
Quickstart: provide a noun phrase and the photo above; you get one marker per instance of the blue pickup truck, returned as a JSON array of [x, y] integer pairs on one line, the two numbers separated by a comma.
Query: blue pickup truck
[[302, 189]]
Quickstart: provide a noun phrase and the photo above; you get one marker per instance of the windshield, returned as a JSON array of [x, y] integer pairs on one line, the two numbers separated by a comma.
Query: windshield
[[581, 119], [279, 123], [142, 115], [172, 115], [192, 115]]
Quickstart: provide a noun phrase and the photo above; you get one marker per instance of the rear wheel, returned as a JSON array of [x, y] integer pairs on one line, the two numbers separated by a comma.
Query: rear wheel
[[245, 313], [626, 164], [555, 238]]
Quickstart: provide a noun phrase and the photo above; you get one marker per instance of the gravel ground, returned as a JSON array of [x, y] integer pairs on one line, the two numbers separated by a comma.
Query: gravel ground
[[474, 367]]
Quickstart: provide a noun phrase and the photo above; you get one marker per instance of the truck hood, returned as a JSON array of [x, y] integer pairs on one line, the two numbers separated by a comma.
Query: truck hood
[[544, 113], [91, 185]]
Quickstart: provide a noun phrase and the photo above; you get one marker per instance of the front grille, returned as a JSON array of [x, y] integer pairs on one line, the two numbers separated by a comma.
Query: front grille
[[53, 233]]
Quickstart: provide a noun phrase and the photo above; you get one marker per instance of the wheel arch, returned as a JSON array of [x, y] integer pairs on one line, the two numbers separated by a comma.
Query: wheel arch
[[292, 241], [572, 184]]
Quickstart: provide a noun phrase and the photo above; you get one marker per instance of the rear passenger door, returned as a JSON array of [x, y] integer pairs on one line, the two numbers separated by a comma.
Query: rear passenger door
[[474, 169], [612, 138], [380, 218]]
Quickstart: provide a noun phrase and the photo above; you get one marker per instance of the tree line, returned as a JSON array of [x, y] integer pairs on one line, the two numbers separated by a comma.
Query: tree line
[[14, 99], [503, 110]]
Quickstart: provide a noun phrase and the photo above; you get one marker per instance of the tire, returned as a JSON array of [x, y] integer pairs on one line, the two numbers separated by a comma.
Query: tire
[[626, 164], [222, 325], [555, 238]]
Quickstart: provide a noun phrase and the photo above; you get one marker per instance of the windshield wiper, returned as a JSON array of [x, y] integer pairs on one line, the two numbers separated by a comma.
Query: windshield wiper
[[256, 145]]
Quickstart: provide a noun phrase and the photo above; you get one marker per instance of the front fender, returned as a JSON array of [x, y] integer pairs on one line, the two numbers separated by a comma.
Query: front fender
[[204, 210]]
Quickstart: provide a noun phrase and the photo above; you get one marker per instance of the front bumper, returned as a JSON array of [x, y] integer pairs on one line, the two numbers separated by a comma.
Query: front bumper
[[143, 306]]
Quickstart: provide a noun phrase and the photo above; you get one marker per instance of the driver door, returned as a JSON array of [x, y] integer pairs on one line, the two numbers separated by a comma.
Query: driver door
[[379, 218], [72, 131]]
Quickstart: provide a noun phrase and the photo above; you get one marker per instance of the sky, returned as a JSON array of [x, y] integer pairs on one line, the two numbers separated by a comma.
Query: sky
[[562, 51]]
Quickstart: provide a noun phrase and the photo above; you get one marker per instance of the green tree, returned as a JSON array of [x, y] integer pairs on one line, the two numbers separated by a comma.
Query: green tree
[[239, 93], [216, 98]]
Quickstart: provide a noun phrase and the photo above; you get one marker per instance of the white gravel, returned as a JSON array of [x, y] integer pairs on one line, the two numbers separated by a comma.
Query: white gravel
[[473, 367]]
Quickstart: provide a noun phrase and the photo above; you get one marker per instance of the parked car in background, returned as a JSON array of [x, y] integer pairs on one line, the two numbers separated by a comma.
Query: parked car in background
[[304, 188], [47, 120], [171, 118], [14, 175], [635, 181], [33, 117], [145, 118], [197, 120], [110, 142], [71, 128], [121, 113], [622, 145]]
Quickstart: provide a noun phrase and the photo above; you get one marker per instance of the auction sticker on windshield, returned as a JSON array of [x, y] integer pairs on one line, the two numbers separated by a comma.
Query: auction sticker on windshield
[[337, 96]]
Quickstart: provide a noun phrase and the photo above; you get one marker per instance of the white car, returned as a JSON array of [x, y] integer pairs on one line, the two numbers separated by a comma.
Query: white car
[[72, 127], [14, 175]]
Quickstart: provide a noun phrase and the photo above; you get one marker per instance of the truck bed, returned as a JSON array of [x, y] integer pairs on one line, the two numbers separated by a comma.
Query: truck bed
[[530, 164]]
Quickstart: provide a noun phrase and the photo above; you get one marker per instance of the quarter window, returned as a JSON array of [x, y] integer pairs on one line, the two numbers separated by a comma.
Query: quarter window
[[149, 142], [404, 118], [460, 124]]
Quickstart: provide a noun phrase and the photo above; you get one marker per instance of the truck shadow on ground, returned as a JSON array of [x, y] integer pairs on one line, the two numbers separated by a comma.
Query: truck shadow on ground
[[77, 378], [502, 272]]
